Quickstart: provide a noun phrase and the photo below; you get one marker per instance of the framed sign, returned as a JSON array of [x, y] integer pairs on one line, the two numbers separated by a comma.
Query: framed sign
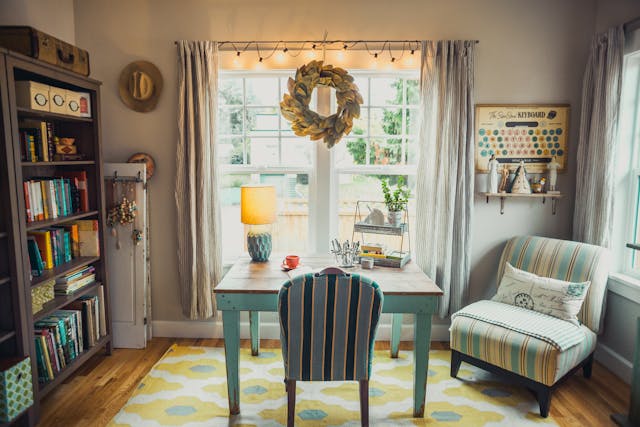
[[533, 134]]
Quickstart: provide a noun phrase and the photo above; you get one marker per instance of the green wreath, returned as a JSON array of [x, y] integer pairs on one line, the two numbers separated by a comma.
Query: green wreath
[[305, 122]]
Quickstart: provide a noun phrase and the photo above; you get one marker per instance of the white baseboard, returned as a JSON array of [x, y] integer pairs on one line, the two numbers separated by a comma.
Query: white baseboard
[[270, 330], [614, 362]]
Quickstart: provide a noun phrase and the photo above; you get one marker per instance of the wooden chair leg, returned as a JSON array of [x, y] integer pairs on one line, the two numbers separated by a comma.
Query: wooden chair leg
[[588, 367], [456, 360], [291, 402], [364, 403], [544, 400]]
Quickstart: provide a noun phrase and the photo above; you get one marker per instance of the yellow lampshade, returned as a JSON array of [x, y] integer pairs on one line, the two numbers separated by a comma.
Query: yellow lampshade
[[257, 204]]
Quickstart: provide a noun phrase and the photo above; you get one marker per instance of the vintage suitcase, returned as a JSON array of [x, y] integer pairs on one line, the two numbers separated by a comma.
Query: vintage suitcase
[[34, 43]]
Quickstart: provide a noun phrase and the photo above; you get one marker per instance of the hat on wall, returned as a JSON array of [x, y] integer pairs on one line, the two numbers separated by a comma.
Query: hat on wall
[[140, 86]]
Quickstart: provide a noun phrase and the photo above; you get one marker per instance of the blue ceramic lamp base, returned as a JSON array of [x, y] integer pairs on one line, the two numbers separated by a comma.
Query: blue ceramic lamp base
[[259, 246]]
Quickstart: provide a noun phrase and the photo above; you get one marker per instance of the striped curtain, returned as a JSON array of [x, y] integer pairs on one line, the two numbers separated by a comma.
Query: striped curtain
[[445, 175], [199, 232], [601, 89]]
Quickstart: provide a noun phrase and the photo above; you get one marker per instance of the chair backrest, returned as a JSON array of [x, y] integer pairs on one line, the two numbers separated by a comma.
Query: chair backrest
[[564, 260], [328, 326]]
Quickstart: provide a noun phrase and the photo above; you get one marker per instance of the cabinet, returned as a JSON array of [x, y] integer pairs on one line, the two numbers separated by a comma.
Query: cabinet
[[393, 257], [86, 132]]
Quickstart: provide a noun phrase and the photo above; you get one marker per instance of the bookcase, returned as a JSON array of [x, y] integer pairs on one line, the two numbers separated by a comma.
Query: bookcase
[[66, 193]]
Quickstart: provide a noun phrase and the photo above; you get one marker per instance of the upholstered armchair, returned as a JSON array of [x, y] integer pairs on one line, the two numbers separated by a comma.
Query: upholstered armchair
[[536, 349], [328, 324]]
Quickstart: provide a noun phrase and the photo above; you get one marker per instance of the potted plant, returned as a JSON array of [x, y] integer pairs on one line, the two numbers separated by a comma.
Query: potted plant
[[395, 201]]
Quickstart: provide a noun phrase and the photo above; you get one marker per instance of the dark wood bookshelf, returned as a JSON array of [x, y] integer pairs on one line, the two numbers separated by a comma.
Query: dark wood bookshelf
[[62, 269], [59, 163], [19, 320], [5, 280], [47, 115], [60, 220], [61, 300], [3, 235], [6, 335], [45, 388]]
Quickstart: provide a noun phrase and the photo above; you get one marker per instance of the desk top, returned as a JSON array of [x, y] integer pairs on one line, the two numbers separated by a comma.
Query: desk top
[[267, 277]]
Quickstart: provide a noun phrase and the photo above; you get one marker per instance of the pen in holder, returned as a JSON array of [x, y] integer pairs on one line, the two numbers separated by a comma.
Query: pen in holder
[[346, 254]]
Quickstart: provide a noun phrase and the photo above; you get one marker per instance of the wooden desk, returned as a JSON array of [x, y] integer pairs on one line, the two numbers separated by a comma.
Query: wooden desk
[[254, 287]]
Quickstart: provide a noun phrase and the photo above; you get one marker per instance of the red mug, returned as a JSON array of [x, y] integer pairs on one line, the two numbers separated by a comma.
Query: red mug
[[291, 261]]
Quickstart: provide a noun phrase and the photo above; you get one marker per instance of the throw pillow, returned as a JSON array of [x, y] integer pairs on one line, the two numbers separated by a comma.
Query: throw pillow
[[542, 294]]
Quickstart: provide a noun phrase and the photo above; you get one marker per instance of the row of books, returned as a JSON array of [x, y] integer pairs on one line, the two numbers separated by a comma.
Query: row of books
[[37, 142], [75, 280], [66, 334], [53, 246], [54, 197]]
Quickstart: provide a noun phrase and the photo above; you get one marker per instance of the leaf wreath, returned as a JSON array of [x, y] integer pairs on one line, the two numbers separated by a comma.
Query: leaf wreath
[[304, 121]]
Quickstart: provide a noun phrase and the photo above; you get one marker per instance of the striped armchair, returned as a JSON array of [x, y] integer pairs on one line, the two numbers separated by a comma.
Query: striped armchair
[[532, 359], [328, 324]]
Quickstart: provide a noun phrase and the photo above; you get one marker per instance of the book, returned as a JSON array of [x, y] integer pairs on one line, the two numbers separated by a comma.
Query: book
[[82, 184], [35, 259], [88, 237], [72, 229], [102, 316], [43, 240]]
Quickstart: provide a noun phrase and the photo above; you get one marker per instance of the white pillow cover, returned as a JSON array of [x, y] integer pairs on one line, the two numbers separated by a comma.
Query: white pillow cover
[[542, 294]]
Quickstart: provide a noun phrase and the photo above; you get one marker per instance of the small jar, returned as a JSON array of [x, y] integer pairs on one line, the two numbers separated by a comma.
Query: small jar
[[366, 263]]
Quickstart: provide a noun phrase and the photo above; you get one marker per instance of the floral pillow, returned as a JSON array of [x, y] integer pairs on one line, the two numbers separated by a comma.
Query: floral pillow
[[542, 294]]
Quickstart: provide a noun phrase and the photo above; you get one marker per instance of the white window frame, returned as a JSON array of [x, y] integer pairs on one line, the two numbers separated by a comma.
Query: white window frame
[[322, 172]]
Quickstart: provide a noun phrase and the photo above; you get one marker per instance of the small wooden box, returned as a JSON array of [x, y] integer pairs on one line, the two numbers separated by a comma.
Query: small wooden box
[[41, 295], [73, 103], [32, 95], [58, 98], [16, 388]]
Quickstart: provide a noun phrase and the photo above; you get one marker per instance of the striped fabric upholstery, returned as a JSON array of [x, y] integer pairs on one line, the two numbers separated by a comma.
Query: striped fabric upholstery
[[516, 352], [563, 260], [328, 325]]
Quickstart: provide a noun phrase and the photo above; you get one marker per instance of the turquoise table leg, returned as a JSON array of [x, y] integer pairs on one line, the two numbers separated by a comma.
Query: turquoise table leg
[[421, 340], [396, 329], [231, 331], [254, 331]]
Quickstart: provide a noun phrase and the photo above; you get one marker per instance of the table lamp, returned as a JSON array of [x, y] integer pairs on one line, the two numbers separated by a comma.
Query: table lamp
[[258, 210]]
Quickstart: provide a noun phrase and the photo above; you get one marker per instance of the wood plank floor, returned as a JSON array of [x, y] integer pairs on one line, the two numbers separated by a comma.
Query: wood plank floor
[[95, 394]]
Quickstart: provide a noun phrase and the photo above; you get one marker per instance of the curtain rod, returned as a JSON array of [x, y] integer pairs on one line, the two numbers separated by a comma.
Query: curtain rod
[[631, 25], [321, 42]]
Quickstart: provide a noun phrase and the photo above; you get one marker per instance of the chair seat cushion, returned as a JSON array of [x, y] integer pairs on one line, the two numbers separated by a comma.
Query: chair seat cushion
[[523, 354]]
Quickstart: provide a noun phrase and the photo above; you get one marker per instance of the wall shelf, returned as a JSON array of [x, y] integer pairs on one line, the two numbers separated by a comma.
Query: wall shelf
[[502, 196]]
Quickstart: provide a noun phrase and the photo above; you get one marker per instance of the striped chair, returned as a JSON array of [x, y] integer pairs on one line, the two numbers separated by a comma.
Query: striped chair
[[328, 324], [526, 359]]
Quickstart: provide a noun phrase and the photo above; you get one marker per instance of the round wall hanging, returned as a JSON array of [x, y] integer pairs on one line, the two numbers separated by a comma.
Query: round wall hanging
[[140, 86], [304, 121], [147, 160]]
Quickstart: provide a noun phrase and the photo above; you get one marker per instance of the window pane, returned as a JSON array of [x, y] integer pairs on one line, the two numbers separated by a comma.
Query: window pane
[[230, 151], [368, 188], [230, 121], [413, 121], [361, 124], [263, 121], [351, 151], [412, 151], [289, 233], [385, 91], [264, 151], [363, 87], [386, 151], [230, 91], [386, 121], [413, 91], [296, 151], [262, 91]]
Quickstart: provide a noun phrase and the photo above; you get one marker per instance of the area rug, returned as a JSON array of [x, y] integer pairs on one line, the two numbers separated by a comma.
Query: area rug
[[187, 387]]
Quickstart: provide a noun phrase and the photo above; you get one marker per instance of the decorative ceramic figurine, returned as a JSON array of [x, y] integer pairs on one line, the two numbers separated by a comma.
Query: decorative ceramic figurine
[[552, 167], [492, 178], [375, 217], [520, 183], [504, 180]]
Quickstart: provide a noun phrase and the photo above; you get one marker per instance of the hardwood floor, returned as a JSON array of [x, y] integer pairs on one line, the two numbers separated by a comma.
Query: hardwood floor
[[95, 394]]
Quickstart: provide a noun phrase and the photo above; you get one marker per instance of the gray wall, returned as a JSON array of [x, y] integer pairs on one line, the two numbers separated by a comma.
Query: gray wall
[[51, 16], [525, 55]]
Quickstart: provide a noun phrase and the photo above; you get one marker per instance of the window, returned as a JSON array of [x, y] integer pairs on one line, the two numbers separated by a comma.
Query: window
[[627, 197], [317, 189]]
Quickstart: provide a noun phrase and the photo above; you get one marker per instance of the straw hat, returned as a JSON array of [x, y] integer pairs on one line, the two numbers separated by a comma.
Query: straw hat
[[140, 86]]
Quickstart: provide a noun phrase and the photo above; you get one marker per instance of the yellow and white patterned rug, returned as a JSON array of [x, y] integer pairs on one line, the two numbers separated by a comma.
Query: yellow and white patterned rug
[[187, 387]]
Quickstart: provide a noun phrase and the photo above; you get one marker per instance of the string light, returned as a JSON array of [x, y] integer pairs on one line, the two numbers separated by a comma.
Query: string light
[[345, 46]]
